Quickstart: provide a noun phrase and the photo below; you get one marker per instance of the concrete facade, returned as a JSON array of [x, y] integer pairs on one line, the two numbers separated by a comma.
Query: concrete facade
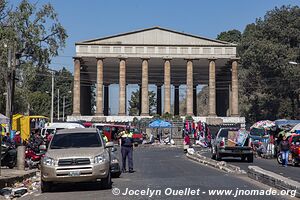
[[156, 56]]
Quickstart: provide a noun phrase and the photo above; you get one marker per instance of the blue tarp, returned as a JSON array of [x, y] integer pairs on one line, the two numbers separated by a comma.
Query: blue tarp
[[160, 124], [283, 122]]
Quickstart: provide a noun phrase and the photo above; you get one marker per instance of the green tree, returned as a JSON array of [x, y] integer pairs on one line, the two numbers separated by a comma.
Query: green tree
[[40, 103], [269, 84], [35, 35], [134, 103], [233, 36]]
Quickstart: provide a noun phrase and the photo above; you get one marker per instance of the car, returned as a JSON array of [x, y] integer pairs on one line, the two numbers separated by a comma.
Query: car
[[76, 155], [137, 136], [52, 128], [221, 148]]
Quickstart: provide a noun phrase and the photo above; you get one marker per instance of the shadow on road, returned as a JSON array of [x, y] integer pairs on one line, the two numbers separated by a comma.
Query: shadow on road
[[72, 187]]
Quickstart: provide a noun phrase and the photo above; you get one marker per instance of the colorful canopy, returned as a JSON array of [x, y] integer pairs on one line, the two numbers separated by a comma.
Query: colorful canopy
[[263, 124]]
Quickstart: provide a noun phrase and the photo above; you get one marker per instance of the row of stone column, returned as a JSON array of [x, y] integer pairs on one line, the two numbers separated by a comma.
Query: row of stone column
[[167, 88]]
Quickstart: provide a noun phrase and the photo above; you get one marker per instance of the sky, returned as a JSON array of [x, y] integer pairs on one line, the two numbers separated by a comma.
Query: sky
[[89, 19]]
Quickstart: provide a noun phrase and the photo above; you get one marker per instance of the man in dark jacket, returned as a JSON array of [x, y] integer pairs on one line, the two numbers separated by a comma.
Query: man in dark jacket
[[284, 147], [127, 149]]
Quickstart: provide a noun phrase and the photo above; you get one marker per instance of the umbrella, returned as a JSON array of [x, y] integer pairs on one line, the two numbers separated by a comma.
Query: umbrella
[[159, 124], [3, 119], [263, 124]]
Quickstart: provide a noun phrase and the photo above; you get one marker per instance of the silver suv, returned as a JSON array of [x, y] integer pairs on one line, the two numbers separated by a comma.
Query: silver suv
[[76, 155]]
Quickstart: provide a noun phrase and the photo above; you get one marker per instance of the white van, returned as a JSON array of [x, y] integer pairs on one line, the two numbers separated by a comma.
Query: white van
[[52, 128]]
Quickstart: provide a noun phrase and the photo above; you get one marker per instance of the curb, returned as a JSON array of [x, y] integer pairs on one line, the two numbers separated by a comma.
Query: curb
[[272, 179], [10, 181], [216, 164]]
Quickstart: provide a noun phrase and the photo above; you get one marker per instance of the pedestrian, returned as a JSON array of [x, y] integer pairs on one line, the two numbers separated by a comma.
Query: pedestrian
[[104, 137], [6, 138], [284, 147], [186, 142], [127, 149], [17, 139]]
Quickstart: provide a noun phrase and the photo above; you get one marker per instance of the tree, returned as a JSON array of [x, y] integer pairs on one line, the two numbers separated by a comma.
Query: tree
[[233, 36], [269, 85], [35, 35], [134, 103]]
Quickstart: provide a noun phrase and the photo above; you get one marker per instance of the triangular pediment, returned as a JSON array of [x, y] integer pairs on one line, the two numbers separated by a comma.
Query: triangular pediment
[[156, 36]]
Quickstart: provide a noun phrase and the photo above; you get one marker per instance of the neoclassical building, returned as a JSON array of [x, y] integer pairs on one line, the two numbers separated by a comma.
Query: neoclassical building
[[161, 57]]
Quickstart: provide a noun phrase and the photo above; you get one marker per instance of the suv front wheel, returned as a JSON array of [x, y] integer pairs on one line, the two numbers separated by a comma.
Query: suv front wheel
[[46, 186], [106, 182]]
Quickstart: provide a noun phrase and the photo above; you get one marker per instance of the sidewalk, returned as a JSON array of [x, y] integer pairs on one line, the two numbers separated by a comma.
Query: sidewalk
[[11, 176]]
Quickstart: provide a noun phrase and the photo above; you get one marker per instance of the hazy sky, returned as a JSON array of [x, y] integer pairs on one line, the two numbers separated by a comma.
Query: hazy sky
[[88, 19]]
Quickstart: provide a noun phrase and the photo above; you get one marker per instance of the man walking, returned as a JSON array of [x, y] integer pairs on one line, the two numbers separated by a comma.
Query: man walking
[[284, 150], [127, 149]]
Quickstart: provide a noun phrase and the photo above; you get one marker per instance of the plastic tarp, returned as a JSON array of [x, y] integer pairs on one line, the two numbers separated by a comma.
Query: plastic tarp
[[3, 119], [283, 122], [160, 124], [296, 128]]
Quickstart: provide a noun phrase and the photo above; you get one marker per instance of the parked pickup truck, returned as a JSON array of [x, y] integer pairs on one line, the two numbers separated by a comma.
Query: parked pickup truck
[[221, 146]]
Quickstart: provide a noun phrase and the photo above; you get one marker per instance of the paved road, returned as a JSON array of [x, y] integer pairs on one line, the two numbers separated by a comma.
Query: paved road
[[267, 164], [158, 169]]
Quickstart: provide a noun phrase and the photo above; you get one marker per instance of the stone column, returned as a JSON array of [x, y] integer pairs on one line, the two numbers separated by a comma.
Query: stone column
[[189, 88], [230, 98], [106, 99], [167, 85], [140, 99], [195, 100], [76, 89], [99, 98], [145, 97], [235, 89], [176, 100], [158, 99], [122, 87], [212, 87]]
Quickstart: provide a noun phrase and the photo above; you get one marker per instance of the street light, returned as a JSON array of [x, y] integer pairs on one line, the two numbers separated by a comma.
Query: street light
[[52, 94]]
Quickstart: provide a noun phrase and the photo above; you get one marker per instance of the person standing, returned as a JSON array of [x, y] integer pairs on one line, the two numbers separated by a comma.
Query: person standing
[[284, 147], [127, 149], [17, 139], [104, 138]]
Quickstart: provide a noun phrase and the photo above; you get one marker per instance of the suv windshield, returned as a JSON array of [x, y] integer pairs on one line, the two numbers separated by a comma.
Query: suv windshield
[[75, 140]]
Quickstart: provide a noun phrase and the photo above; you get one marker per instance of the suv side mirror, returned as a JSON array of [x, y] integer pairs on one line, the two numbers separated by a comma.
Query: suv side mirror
[[109, 145]]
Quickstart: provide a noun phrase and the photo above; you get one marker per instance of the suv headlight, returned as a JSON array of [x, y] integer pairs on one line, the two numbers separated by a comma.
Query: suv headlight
[[48, 161], [100, 158]]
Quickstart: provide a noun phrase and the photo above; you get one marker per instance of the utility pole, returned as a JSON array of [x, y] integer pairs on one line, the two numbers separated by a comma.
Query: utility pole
[[52, 96], [8, 91], [64, 104], [58, 104]]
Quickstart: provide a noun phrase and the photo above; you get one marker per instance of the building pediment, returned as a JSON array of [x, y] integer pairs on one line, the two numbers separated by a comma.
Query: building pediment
[[156, 36]]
